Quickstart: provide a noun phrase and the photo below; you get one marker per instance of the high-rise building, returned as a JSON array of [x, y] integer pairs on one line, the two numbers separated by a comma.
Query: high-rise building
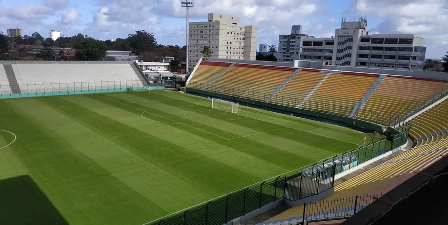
[[14, 32], [54, 34], [353, 45], [225, 36], [289, 45], [263, 48]]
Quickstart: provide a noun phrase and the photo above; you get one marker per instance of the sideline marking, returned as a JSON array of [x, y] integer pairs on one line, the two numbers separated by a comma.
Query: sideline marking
[[15, 138]]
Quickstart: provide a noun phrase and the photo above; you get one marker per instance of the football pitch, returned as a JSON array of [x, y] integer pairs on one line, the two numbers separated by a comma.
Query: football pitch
[[130, 158]]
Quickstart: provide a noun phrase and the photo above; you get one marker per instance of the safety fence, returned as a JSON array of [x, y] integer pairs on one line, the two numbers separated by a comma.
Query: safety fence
[[239, 203], [301, 183], [69, 88]]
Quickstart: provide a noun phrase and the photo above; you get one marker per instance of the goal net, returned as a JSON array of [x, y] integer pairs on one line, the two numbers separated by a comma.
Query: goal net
[[225, 105]]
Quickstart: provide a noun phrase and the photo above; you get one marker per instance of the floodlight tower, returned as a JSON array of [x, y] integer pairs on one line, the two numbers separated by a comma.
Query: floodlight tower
[[187, 5]]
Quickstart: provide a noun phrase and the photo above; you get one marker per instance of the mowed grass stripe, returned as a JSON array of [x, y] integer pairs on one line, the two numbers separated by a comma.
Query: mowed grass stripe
[[192, 102], [265, 152], [249, 126], [10, 164], [204, 173], [77, 186], [172, 132], [263, 137]]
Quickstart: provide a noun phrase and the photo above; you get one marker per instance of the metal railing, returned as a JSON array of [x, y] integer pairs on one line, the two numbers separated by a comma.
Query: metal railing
[[67, 88]]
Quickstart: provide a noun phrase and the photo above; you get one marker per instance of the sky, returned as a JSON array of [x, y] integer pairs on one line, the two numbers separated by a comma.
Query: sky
[[111, 19]]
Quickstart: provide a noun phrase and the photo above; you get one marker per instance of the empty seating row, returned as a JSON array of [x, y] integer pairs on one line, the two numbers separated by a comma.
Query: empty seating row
[[340, 93], [54, 77], [240, 79], [382, 178], [396, 96], [4, 83], [265, 86], [431, 125], [205, 72], [298, 87]]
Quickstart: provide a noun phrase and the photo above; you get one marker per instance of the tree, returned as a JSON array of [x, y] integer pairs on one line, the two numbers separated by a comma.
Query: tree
[[142, 41], [271, 57], [76, 40], [121, 45], [260, 57], [433, 65], [206, 52], [272, 48], [4, 44], [46, 53], [37, 39], [90, 49], [445, 64]]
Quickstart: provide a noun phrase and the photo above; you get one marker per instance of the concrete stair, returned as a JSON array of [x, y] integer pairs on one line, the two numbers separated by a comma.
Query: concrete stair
[[13, 84]]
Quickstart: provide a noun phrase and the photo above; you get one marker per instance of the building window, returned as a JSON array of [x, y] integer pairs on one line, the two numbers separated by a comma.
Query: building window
[[377, 41], [390, 49], [307, 43], [391, 41], [376, 56], [405, 41], [365, 39], [389, 57], [364, 47]]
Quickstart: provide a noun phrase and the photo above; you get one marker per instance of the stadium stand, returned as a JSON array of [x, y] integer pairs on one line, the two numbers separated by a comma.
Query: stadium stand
[[381, 178], [266, 85], [340, 93], [239, 79], [432, 125], [42, 77], [206, 72], [396, 96], [294, 91], [4, 83]]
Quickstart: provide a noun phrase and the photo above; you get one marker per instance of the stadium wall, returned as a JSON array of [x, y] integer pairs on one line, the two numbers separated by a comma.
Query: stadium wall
[[66, 62]]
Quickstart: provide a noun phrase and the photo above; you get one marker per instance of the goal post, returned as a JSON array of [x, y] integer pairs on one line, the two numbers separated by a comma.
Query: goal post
[[223, 105]]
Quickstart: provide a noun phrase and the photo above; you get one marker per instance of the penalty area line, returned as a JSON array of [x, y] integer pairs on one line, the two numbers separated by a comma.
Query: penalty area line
[[174, 121], [15, 138]]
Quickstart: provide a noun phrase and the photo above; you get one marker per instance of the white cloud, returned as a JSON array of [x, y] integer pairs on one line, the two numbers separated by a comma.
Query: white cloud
[[428, 18], [69, 17]]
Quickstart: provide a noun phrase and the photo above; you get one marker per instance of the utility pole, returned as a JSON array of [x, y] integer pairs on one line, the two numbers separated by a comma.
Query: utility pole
[[187, 5]]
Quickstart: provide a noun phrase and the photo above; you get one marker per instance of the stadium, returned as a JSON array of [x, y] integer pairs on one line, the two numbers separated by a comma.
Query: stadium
[[244, 142]]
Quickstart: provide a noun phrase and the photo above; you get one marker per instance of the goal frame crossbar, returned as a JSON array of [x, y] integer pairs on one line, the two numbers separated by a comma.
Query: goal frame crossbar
[[233, 108]]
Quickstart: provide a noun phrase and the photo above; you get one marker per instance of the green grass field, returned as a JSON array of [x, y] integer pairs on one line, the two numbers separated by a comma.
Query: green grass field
[[96, 159]]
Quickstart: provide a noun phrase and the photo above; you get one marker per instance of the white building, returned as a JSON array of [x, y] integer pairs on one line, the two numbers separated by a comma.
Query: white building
[[155, 70], [119, 56], [54, 34], [227, 38], [391, 51], [320, 49], [353, 45], [263, 48]]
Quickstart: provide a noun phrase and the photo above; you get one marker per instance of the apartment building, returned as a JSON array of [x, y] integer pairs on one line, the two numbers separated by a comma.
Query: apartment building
[[225, 36]]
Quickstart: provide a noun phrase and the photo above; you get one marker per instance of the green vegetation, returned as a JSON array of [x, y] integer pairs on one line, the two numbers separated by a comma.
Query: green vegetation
[[130, 158]]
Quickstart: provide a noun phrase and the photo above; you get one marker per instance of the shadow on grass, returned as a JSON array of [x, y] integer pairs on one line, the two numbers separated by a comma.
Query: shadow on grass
[[22, 202]]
